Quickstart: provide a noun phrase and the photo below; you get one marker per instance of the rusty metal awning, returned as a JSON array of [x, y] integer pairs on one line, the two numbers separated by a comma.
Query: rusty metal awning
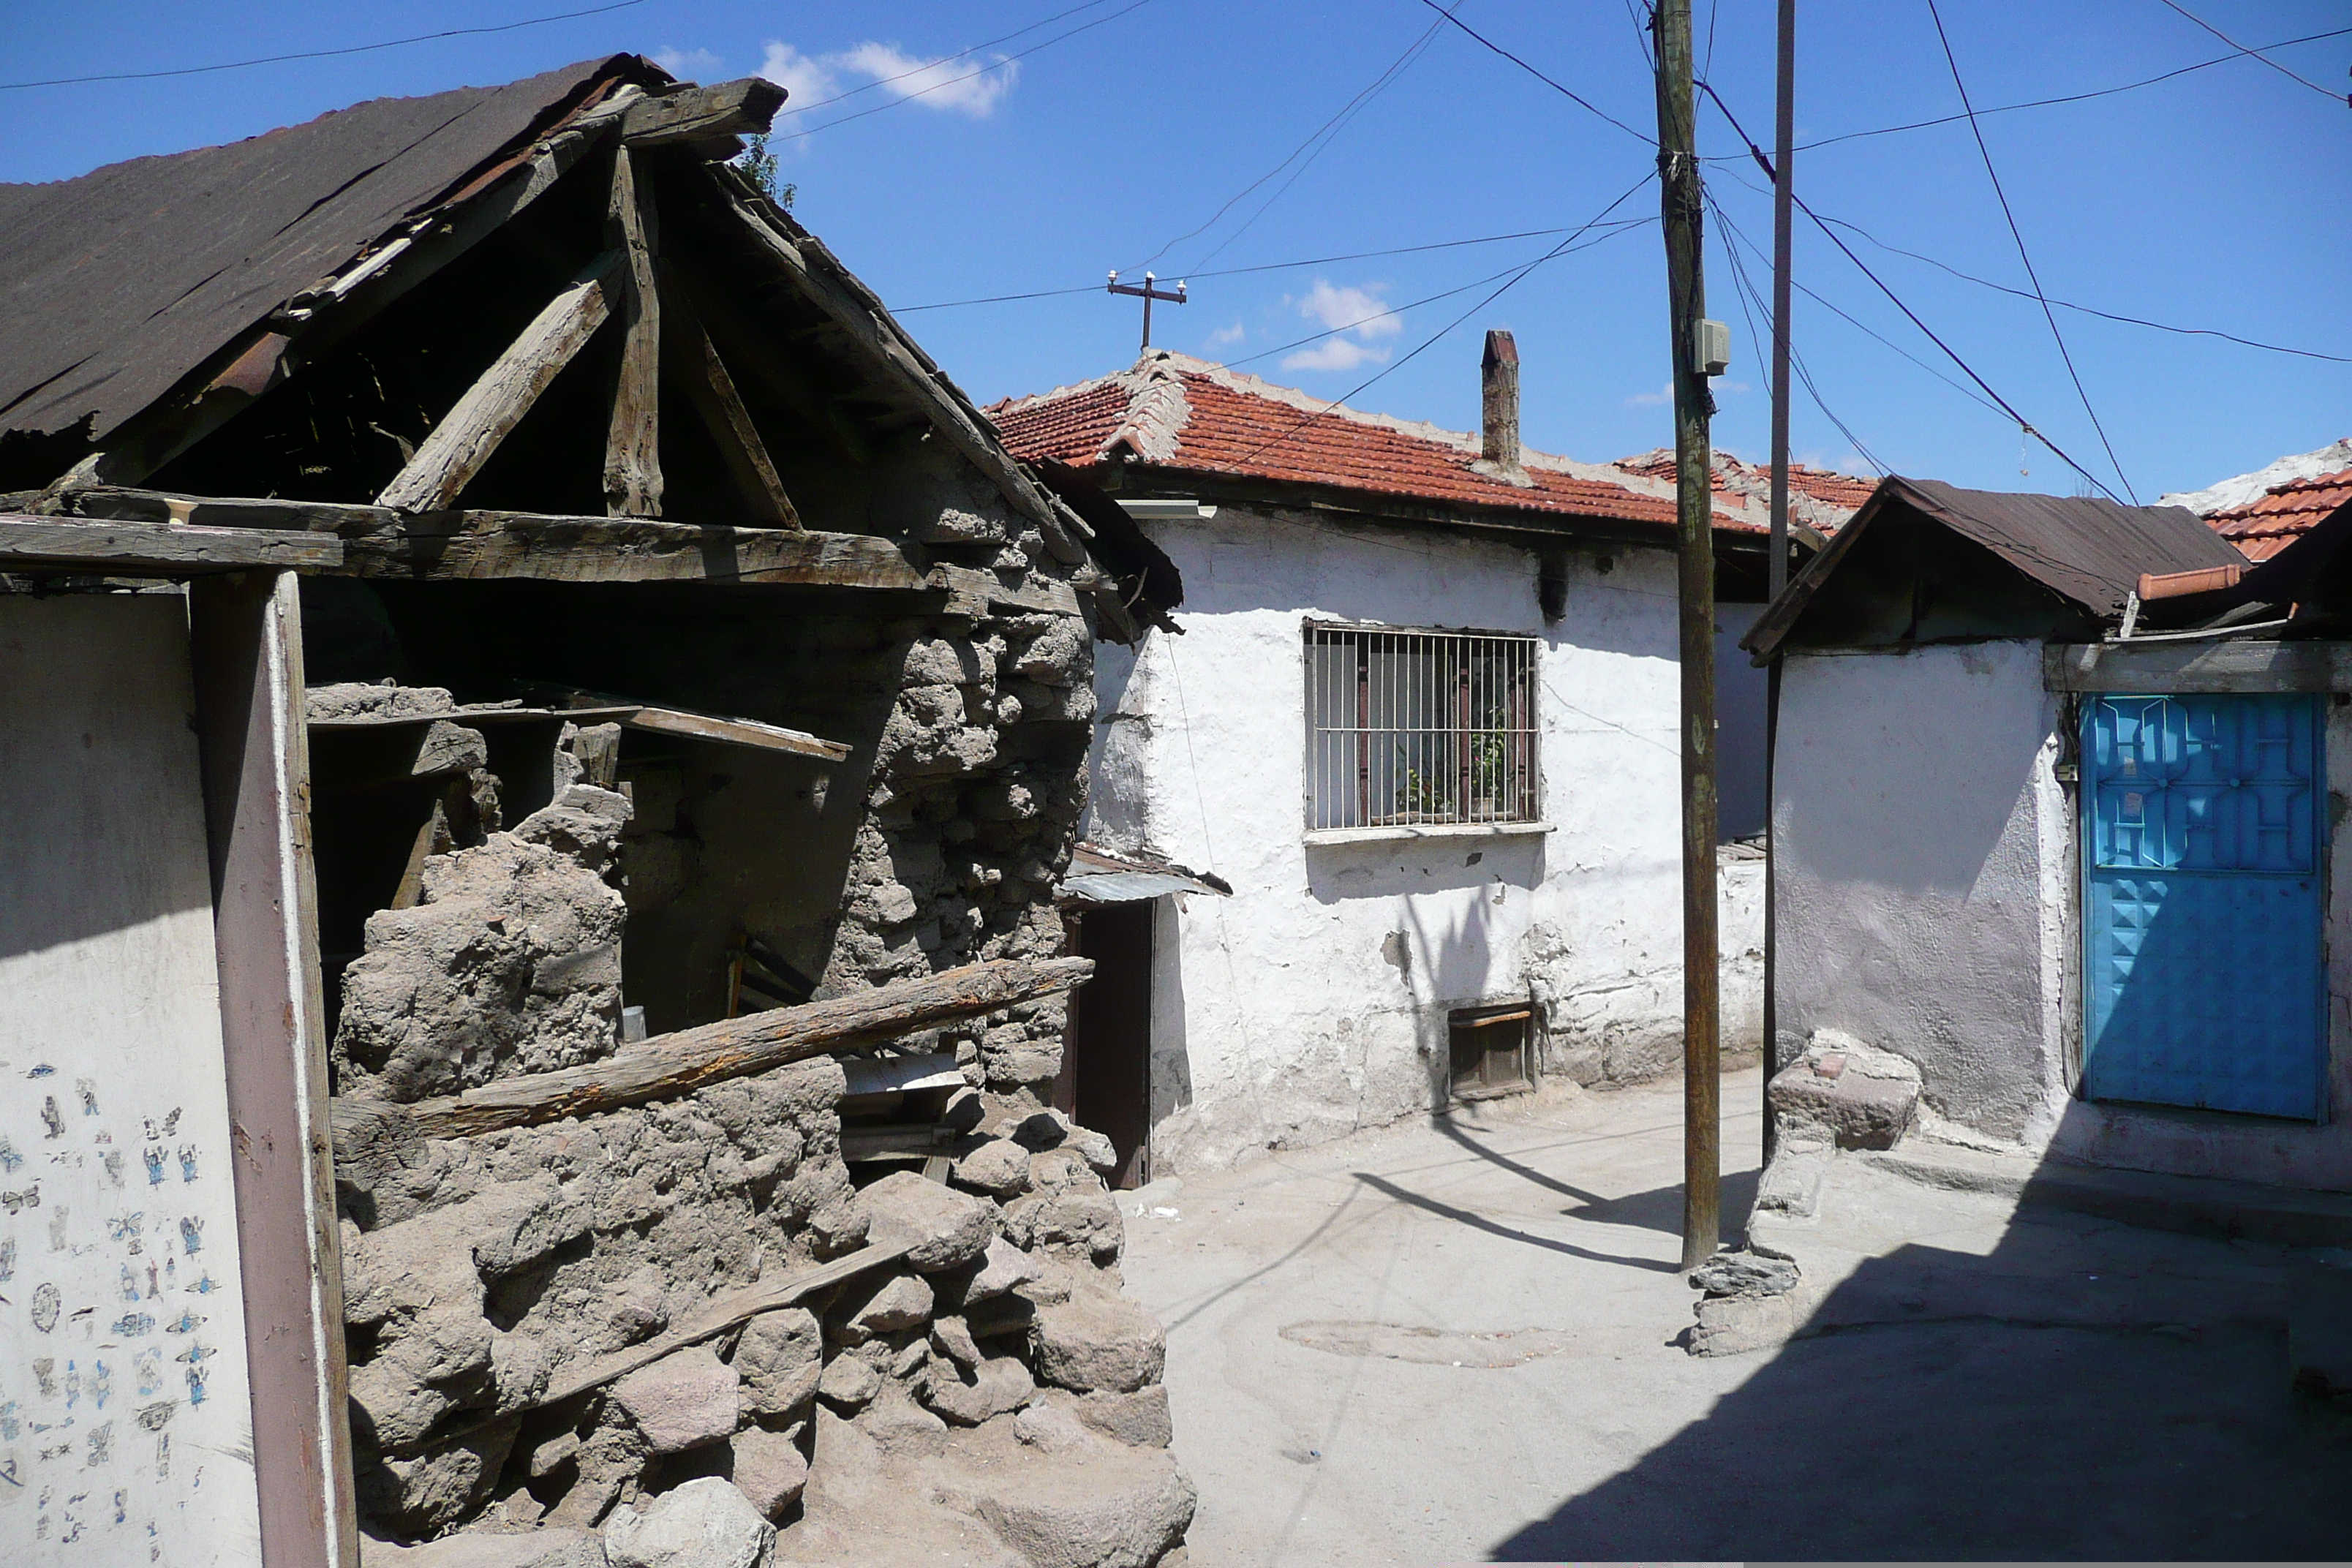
[[1098, 877]]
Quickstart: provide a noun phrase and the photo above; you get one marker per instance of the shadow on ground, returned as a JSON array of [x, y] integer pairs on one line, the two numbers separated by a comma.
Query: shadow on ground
[[1948, 1405]]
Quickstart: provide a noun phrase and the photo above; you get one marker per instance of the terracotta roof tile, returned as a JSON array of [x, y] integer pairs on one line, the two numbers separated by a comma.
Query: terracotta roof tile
[[2274, 519], [1175, 412]]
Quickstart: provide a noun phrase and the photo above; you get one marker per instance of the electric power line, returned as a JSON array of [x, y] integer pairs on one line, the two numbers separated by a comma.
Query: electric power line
[[946, 59], [2017, 235], [2241, 49], [1581, 102], [1260, 266], [1509, 283], [982, 70], [322, 54], [2235, 54], [2023, 423]]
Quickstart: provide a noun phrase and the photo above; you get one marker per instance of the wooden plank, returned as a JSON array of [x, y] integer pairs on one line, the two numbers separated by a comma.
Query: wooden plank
[[698, 367], [465, 545], [633, 477], [709, 1323], [2243, 665], [158, 546], [899, 1075], [735, 733], [886, 352], [1040, 595], [680, 1063], [458, 446], [703, 114], [245, 635]]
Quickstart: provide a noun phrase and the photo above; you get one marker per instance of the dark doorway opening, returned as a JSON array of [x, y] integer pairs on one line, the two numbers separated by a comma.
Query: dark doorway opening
[[1106, 1082], [1489, 1050]]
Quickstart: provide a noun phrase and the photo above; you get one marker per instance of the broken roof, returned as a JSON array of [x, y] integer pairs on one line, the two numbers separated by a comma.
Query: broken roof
[[116, 284], [2284, 513], [1185, 416], [2090, 552]]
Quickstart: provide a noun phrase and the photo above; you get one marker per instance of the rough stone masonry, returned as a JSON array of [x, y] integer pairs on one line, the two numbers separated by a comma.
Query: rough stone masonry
[[991, 1397]]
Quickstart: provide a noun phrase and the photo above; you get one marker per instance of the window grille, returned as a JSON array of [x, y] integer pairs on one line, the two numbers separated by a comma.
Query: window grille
[[1410, 728]]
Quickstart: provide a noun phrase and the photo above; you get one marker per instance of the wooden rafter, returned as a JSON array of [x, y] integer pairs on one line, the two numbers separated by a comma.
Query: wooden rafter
[[633, 477], [703, 114], [696, 366], [469, 433]]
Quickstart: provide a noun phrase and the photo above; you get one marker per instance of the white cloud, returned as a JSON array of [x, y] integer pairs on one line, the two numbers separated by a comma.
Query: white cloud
[[1335, 353], [1651, 399], [688, 65], [804, 80], [1345, 310], [1226, 337], [1360, 310], [966, 86]]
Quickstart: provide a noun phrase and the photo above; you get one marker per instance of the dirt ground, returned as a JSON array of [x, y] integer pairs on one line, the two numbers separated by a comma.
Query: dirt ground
[[1459, 1342]]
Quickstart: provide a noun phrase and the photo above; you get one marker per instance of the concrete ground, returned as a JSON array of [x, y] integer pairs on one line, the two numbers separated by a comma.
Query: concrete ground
[[1458, 1342]]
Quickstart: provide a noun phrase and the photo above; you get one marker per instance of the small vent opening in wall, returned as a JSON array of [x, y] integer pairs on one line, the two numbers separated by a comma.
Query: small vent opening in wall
[[1489, 1053]]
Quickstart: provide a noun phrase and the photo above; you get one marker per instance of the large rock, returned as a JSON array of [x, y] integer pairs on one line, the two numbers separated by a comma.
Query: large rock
[[999, 1167], [1851, 1093], [1139, 1420], [1744, 1274], [879, 1304], [1004, 1267], [1100, 1507], [780, 1357], [704, 1523], [1098, 1341], [682, 1400], [941, 1226], [970, 1397], [770, 1471], [1735, 1325]]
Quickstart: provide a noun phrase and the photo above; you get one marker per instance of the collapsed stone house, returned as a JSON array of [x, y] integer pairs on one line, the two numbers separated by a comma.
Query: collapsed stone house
[[678, 731]]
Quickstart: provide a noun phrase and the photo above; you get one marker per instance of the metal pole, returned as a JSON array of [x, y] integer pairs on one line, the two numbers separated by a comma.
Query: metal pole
[[1680, 197], [1777, 571]]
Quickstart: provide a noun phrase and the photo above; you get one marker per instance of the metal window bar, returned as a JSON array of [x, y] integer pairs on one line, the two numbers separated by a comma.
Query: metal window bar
[[1419, 728]]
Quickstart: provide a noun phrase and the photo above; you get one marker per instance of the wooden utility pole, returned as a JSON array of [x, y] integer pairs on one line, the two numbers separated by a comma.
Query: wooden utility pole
[[1777, 571], [1681, 192]]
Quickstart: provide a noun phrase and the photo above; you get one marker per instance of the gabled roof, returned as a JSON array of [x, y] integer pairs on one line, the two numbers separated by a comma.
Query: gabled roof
[[2088, 552], [116, 284], [1185, 416]]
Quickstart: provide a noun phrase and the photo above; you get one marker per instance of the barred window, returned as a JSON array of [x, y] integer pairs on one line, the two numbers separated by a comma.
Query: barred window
[[1413, 728]]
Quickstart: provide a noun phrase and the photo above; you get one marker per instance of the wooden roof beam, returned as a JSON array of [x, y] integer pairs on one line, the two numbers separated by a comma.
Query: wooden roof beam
[[692, 113], [633, 476], [171, 549], [469, 433]]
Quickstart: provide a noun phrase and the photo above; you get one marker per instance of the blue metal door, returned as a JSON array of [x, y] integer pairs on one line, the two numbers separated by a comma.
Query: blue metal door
[[2203, 975]]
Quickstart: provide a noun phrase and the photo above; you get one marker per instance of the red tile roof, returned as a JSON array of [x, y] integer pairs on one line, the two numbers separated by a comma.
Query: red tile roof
[[1847, 492], [1183, 414], [2274, 519]]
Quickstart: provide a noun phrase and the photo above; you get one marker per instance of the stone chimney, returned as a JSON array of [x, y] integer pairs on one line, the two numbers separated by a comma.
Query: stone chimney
[[1498, 408]]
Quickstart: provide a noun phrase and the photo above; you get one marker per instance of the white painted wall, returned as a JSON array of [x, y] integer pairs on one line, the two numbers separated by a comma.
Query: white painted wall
[[1313, 1001], [1919, 833], [126, 1431], [1929, 904]]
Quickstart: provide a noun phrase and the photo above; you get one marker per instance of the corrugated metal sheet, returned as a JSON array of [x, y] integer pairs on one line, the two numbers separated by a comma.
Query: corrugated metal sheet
[[2090, 552], [1098, 877]]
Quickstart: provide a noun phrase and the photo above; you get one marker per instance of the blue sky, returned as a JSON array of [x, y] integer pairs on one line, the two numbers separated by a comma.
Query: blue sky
[[2221, 199]]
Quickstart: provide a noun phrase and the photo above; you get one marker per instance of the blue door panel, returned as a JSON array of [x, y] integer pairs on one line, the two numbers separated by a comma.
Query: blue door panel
[[2203, 962]]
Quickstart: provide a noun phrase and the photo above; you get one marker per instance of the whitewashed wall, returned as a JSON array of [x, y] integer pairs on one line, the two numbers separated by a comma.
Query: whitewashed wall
[[1928, 904], [1313, 1001], [126, 1430]]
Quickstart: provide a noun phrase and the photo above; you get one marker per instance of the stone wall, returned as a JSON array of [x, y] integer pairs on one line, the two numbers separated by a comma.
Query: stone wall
[[992, 1395]]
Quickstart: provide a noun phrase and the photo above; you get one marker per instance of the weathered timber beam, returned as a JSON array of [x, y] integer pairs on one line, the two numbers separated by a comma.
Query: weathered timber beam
[[696, 366], [633, 476], [1044, 596], [446, 546], [694, 1059], [466, 438], [324, 315], [709, 1323], [657, 718], [157, 546], [469, 434], [703, 114], [865, 325]]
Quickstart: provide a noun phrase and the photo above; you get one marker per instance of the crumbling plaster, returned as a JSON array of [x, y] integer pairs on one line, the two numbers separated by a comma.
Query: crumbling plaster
[[1313, 1001], [1929, 904]]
